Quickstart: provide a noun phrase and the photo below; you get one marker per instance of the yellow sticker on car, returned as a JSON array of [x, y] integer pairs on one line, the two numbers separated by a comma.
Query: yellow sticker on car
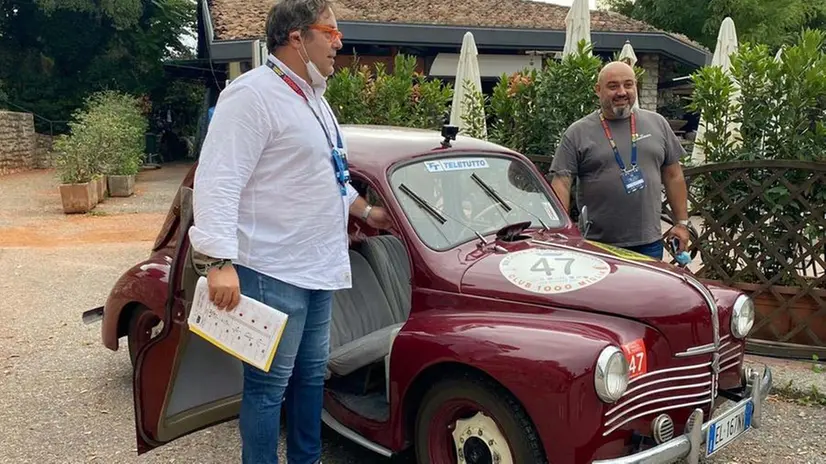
[[621, 252]]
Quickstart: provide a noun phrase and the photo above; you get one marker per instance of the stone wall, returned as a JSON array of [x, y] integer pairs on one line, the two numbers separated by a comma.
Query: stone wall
[[650, 81], [18, 146], [43, 152]]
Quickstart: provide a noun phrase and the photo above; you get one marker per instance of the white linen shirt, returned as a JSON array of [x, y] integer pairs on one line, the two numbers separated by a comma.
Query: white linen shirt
[[265, 191]]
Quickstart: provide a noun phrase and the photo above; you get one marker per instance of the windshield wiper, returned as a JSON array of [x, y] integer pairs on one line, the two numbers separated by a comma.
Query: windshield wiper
[[492, 193], [435, 213], [423, 204]]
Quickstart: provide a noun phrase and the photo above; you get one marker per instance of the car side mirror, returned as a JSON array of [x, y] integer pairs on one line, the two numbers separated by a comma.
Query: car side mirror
[[584, 223]]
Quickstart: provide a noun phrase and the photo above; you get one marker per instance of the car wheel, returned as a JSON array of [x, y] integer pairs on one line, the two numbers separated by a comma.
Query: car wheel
[[142, 321], [477, 419]]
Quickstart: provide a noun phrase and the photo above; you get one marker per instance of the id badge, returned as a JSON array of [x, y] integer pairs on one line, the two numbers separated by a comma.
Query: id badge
[[633, 180]]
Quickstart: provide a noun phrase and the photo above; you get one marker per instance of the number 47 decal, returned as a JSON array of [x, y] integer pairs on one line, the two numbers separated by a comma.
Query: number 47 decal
[[637, 357], [542, 265]]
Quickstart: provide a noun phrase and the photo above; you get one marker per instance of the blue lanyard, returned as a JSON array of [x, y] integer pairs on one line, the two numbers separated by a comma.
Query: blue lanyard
[[614, 145]]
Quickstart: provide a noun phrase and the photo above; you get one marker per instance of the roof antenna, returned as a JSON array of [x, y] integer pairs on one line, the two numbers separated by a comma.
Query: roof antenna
[[449, 133]]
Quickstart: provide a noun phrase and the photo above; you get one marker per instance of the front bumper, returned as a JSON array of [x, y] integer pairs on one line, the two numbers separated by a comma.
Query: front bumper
[[690, 445]]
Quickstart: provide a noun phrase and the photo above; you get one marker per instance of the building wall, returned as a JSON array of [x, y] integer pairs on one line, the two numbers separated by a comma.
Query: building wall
[[650, 81], [18, 143]]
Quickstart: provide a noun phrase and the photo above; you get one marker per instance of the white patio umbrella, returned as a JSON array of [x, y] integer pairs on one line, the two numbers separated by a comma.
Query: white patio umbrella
[[726, 46], [467, 69], [628, 56], [577, 26]]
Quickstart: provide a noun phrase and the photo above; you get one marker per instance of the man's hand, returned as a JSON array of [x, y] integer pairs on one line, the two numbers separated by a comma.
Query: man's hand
[[224, 287], [681, 232], [379, 218]]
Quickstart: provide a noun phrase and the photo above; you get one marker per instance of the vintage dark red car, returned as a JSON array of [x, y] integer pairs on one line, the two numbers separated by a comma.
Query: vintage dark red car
[[483, 329]]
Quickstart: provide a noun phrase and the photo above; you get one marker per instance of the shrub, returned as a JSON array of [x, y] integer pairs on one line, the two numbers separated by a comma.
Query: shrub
[[779, 106], [402, 98], [531, 109], [106, 136]]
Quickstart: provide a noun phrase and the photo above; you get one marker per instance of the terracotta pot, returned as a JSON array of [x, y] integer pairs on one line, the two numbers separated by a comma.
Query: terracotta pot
[[78, 198], [787, 320], [121, 186]]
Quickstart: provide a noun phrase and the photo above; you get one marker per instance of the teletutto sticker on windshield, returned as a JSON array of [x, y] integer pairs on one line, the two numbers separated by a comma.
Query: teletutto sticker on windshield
[[552, 271], [459, 164]]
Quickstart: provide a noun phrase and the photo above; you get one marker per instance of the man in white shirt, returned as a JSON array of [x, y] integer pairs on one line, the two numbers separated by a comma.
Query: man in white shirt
[[271, 204]]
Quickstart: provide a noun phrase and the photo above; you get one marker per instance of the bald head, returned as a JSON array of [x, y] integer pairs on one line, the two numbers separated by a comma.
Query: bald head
[[617, 89]]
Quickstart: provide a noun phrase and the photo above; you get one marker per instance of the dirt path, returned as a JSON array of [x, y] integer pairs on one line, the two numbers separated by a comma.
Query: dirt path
[[31, 214]]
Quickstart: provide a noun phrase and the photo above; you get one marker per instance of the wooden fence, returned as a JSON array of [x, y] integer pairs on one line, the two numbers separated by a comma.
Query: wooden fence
[[762, 229]]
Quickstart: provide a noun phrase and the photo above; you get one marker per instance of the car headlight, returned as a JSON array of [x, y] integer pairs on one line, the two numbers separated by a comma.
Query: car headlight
[[611, 374], [742, 316]]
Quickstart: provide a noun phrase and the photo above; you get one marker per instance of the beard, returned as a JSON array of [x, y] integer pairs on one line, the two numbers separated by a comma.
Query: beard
[[621, 112]]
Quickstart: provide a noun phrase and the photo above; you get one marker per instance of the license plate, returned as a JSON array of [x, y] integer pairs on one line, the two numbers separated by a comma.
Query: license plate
[[723, 431]]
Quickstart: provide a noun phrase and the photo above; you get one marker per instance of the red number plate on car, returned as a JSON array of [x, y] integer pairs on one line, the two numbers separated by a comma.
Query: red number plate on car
[[637, 357]]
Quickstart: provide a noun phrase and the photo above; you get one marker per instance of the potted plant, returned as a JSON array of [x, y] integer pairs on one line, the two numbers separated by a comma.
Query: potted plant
[[78, 193], [121, 179]]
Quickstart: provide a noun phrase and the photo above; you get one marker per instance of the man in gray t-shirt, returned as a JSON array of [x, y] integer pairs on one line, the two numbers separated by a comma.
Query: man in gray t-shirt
[[623, 197]]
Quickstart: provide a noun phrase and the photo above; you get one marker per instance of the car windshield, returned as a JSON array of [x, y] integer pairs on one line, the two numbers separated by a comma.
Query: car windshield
[[448, 200]]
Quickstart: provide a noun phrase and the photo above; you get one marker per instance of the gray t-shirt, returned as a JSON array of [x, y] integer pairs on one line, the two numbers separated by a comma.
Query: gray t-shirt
[[619, 218]]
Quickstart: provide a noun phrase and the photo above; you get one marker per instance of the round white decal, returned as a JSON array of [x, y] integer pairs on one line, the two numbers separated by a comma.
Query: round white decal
[[552, 271]]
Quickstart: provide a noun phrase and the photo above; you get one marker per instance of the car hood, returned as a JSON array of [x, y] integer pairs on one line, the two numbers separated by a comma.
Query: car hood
[[591, 277]]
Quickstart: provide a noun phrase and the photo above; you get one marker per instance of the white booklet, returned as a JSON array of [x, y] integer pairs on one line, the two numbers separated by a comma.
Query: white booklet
[[250, 332]]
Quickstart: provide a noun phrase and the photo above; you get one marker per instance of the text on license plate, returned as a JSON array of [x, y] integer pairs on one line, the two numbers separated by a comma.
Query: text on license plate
[[725, 430]]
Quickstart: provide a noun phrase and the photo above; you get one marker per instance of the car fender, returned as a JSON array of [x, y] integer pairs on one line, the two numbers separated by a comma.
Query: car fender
[[145, 284], [547, 363]]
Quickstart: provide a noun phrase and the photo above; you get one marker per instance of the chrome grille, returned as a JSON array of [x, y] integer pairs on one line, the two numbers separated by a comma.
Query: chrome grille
[[673, 388], [659, 391]]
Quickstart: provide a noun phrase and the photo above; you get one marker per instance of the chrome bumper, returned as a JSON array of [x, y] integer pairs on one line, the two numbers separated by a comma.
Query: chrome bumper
[[690, 445]]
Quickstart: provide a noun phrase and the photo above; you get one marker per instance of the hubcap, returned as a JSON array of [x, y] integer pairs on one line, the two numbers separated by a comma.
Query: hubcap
[[479, 441]]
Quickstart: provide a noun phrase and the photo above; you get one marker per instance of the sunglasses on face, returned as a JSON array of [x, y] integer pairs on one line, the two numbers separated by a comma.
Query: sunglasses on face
[[332, 33]]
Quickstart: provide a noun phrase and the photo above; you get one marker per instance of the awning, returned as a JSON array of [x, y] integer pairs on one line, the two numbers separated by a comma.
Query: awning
[[491, 66]]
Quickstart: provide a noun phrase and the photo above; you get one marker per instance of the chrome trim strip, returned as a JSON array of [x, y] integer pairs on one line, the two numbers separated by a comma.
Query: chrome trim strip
[[658, 400], [671, 369], [654, 392], [666, 408], [353, 436], [703, 349], [728, 352], [667, 379], [697, 350], [729, 366]]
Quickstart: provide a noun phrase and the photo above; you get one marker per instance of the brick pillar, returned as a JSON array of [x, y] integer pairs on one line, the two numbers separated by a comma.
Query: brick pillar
[[650, 81]]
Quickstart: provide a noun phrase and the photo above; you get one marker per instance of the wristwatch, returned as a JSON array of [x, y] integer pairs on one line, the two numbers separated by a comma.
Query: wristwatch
[[203, 263], [683, 222], [366, 213]]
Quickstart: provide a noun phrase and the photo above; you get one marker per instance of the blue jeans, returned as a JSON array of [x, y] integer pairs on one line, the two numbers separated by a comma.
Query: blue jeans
[[654, 249], [300, 362]]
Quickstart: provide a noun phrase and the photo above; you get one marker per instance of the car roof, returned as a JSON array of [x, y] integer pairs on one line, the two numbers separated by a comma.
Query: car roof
[[372, 149]]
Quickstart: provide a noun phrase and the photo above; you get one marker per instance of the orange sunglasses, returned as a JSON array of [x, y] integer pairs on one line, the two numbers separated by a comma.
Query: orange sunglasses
[[331, 32]]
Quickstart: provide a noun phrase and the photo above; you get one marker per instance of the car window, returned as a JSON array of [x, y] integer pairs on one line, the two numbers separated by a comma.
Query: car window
[[465, 194]]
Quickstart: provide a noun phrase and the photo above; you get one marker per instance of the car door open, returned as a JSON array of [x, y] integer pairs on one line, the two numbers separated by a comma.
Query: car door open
[[182, 383]]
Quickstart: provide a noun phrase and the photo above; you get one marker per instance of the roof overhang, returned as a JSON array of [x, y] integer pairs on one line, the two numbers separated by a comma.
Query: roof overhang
[[425, 35]]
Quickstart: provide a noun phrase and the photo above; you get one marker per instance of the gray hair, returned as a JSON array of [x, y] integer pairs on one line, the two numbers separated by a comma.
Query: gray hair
[[289, 15]]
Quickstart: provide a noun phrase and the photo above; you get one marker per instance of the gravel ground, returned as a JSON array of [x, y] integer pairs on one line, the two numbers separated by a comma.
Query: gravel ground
[[66, 399]]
